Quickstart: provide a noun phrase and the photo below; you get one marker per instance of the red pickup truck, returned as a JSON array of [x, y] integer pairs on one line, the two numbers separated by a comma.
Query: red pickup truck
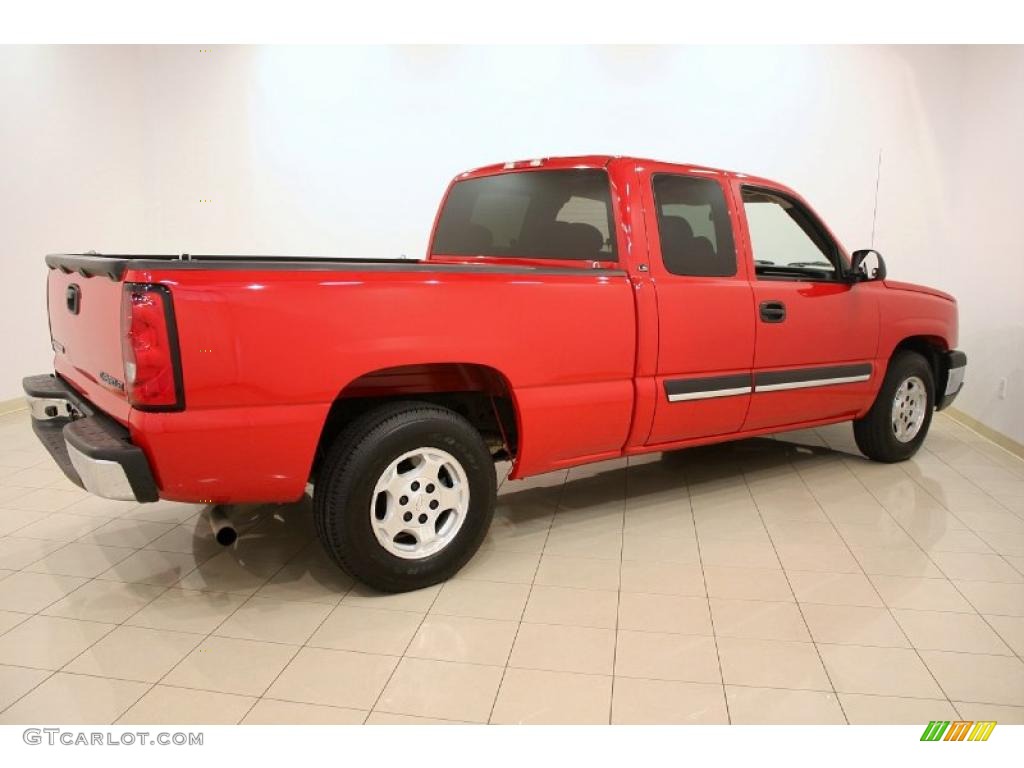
[[569, 310]]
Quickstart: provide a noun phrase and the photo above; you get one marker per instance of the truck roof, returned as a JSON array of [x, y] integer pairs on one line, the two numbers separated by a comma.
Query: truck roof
[[600, 161]]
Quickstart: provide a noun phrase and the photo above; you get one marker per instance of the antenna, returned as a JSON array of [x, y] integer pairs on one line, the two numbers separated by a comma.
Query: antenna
[[874, 213]]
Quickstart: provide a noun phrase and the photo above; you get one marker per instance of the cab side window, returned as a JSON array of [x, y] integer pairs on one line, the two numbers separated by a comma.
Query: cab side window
[[788, 244], [693, 226]]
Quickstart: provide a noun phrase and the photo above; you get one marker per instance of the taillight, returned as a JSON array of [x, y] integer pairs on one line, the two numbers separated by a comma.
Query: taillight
[[149, 346]]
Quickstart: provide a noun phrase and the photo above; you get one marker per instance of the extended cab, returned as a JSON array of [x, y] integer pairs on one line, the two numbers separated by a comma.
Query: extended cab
[[568, 311]]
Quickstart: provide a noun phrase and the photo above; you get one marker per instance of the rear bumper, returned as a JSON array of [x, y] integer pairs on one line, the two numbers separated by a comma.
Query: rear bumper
[[956, 366], [93, 450]]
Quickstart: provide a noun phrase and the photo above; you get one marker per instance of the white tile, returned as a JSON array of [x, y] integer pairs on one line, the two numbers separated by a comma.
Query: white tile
[[660, 656], [773, 706], [560, 648], [747, 583], [999, 599], [771, 664], [48, 642], [945, 631], [1010, 629], [187, 611], [977, 678], [135, 653], [441, 689], [16, 553], [11, 520], [833, 588], [107, 601], [166, 705], [883, 671], [581, 607], [11, 619], [481, 599], [15, 682], [853, 625], [272, 712], [664, 613], [32, 592], [654, 577], [309, 577], [355, 628], [48, 500], [418, 601], [921, 594], [871, 709], [537, 697], [230, 665], [578, 572], [60, 526], [905, 562], [971, 566], [77, 559], [126, 532], [274, 621], [758, 619], [147, 566], [334, 678], [662, 702], [229, 572], [77, 699], [464, 639]]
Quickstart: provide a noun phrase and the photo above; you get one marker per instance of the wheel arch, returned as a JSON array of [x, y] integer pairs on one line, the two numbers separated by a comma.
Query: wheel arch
[[480, 393], [931, 348]]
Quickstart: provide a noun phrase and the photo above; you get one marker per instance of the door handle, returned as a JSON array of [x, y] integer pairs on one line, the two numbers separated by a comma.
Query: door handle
[[773, 311], [73, 297]]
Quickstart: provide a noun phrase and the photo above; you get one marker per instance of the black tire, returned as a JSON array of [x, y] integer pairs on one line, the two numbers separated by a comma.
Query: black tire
[[874, 433], [345, 486]]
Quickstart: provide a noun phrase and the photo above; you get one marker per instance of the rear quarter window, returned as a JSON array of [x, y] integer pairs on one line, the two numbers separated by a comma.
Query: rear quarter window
[[694, 229], [564, 214]]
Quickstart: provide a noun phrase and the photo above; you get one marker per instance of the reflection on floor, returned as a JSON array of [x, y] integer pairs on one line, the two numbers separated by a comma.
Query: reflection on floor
[[780, 580]]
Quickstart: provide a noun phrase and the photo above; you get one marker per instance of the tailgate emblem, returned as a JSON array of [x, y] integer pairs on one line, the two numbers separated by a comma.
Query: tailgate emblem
[[110, 381], [74, 298]]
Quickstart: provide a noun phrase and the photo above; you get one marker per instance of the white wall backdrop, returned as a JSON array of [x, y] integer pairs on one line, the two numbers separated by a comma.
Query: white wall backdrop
[[345, 151], [983, 262]]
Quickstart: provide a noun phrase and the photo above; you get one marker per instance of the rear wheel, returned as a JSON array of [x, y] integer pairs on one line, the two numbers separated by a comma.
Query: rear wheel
[[405, 496], [898, 421]]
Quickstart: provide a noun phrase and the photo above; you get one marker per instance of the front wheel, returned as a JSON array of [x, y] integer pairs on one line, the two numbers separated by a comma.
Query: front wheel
[[898, 421], [405, 496]]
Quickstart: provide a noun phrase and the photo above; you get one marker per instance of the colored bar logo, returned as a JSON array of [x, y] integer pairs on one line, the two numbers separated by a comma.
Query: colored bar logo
[[958, 730]]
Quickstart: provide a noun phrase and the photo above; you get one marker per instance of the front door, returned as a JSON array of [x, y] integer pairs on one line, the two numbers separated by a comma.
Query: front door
[[705, 306], [817, 333]]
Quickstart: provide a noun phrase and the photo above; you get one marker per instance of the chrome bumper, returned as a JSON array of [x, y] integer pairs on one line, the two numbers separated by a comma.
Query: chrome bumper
[[956, 367], [101, 477], [46, 408], [93, 450]]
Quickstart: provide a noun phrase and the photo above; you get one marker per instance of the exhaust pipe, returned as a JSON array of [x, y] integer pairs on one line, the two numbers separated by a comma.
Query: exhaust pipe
[[222, 527]]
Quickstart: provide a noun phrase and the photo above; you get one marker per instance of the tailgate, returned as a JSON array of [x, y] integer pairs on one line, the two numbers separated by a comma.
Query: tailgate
[[85, 332]]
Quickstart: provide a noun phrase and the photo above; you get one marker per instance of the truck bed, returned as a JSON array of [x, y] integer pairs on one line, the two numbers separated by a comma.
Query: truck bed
[[268, 343]]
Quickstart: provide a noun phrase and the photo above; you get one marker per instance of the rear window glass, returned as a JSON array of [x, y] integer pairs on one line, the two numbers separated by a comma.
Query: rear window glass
[[532, 214]]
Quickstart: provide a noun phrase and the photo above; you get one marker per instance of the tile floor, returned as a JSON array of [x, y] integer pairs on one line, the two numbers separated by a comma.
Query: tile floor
[[782, 580]]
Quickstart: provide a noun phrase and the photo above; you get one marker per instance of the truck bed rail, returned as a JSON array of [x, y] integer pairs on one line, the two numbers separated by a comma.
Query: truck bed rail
[[114, 266]]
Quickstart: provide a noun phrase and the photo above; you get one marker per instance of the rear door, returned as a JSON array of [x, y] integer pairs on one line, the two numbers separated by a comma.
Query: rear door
[[85, 333], [705, 305], [817, 334]]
